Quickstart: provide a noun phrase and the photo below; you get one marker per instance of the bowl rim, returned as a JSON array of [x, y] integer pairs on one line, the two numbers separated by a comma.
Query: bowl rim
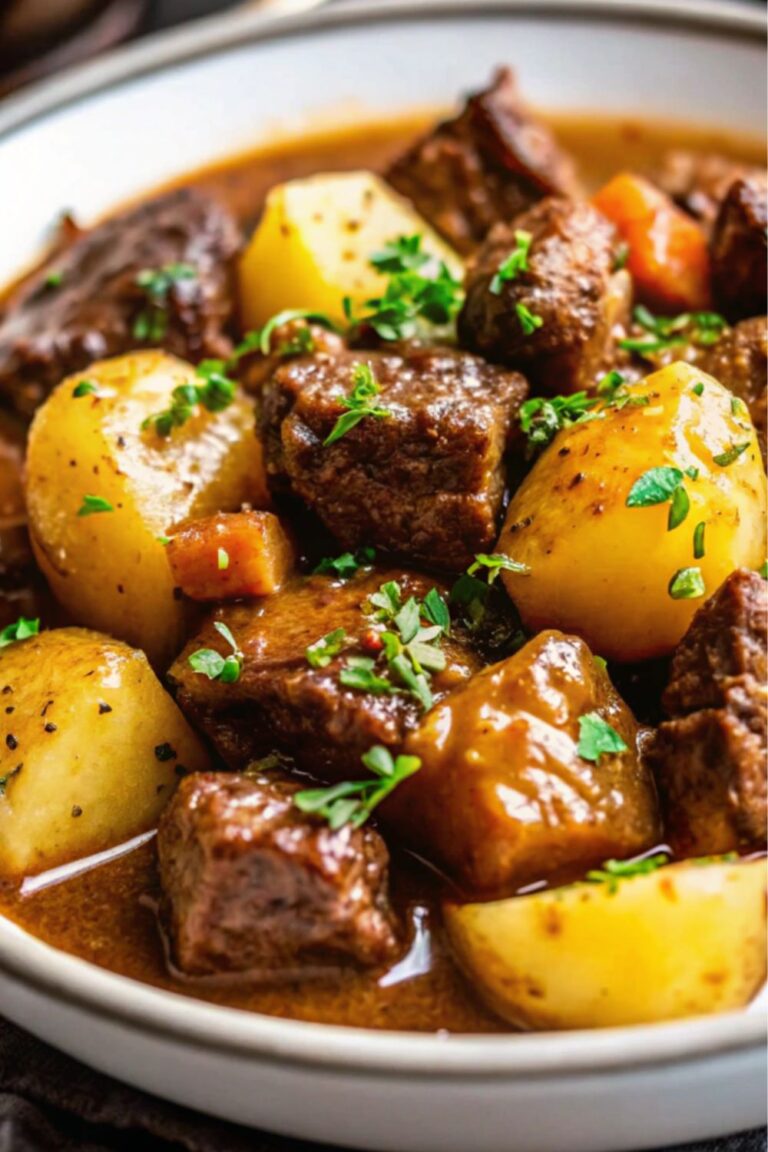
[[29, 964]]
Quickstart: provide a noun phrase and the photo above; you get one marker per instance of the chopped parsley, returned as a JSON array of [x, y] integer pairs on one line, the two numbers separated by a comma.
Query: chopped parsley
[[320, 654], [301, 343], [687, 584], [663, 332], [358, 403], [421, 291], [723, 459], [92, 505], [21, 629], [346, 565], [54, 279], [208, 662], [679, 508], [222, 559], [655, 486], [698, 540], [494, 564], [151, 324], [763, 570], [352, 802], [621, 256], [613, 871], [541, 420], [215, 392], [516, 262], [698, 388], [84, 388], [597, 738], [528, 321]]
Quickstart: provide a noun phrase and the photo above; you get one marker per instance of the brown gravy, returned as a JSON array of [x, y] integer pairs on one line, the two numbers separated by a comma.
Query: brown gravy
[[106, 915]]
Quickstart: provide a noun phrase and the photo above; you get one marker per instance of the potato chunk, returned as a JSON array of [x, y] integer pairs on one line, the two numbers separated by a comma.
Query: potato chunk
[[231, 556], [315, 240], [615, 574], [686, 940], [109, 568], [91, 750]]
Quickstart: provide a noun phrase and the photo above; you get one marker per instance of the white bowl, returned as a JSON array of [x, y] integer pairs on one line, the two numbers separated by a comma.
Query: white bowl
[[106, 132]]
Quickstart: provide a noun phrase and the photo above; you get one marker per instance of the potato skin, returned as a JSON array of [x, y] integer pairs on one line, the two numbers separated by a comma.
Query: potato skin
[[110, 570], [315, 240], [88, 726], [686, 940], [601, 569]]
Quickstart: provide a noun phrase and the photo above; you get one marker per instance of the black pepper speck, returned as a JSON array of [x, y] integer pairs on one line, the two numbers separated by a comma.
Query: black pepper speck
[[11, 741], [104, 708]]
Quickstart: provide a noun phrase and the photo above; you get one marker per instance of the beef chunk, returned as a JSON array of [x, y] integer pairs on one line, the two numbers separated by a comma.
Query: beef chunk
[[426, 482], [251, 885], [568, 290], [503, 798], [53, 327], [739, 250], [710, 756], [699, 182], [282, 703], [739, 361], [486, 165]]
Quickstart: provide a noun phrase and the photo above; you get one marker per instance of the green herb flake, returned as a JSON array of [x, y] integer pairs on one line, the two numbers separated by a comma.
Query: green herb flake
[[698, 540], [701, 329], [495, 563], [222, 559], [687, 584], [92, 505], [597, 738], [208, 662], [529, 322], [723, 459], [698, 389], [541, 420], [514, 264], [54, 279], [358, 403], [320, 654], [84, 388], [214, 392], [346, 565], [692, 473], [21, 629], [614, 871], [763, 570], [678, 509], [655, 486], [5, 780], [352, 802]]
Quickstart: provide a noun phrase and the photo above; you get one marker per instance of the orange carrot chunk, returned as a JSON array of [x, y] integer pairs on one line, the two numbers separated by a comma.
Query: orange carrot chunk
[[668, 251], [230, 555]]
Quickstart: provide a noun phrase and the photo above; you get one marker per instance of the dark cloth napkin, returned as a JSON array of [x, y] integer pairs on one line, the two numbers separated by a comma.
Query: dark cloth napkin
[[50, 1103]]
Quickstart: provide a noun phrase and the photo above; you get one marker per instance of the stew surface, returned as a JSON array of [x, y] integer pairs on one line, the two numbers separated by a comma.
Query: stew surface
[[109, 913]]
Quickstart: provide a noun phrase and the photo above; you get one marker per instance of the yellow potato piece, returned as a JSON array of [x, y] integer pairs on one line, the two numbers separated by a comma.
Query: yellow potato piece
[[315, 240], [601, 569], [110, 570], [687, 940], [90, 750]]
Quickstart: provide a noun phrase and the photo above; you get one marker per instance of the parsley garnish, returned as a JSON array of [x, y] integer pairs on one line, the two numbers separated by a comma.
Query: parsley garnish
[[346, 565], [84, 388], [208, 662], [613, 871], [655, 486], [621, 256], [494, 563], [678, 508], [541, 420], [302, 342], [358, 403], [597, 738], [687, 584], [763, 570], [516, 262], [54, 279], [222, 559], [215, 392], [22, 629], [5, 780], [698, 540], [152, 322], [320, 654], [528, 321], [352, 802], [700, 328], [731, 454], [91, 505], [420, 291], [698, 388]]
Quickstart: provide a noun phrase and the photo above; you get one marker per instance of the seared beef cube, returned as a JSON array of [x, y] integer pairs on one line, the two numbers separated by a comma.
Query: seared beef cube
[[251, 885], [87, 303], [739, 361], [281, 702], [553, 317], [503, 797], [486, 165], [427, 481], [739, 250], [710, 756], [699, 183]]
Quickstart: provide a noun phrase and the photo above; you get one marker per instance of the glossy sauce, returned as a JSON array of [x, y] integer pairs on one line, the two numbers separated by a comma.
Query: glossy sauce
[[107, 914]]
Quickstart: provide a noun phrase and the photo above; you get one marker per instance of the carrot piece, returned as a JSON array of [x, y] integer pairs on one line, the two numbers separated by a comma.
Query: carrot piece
[[230, 555], [668, 251]]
